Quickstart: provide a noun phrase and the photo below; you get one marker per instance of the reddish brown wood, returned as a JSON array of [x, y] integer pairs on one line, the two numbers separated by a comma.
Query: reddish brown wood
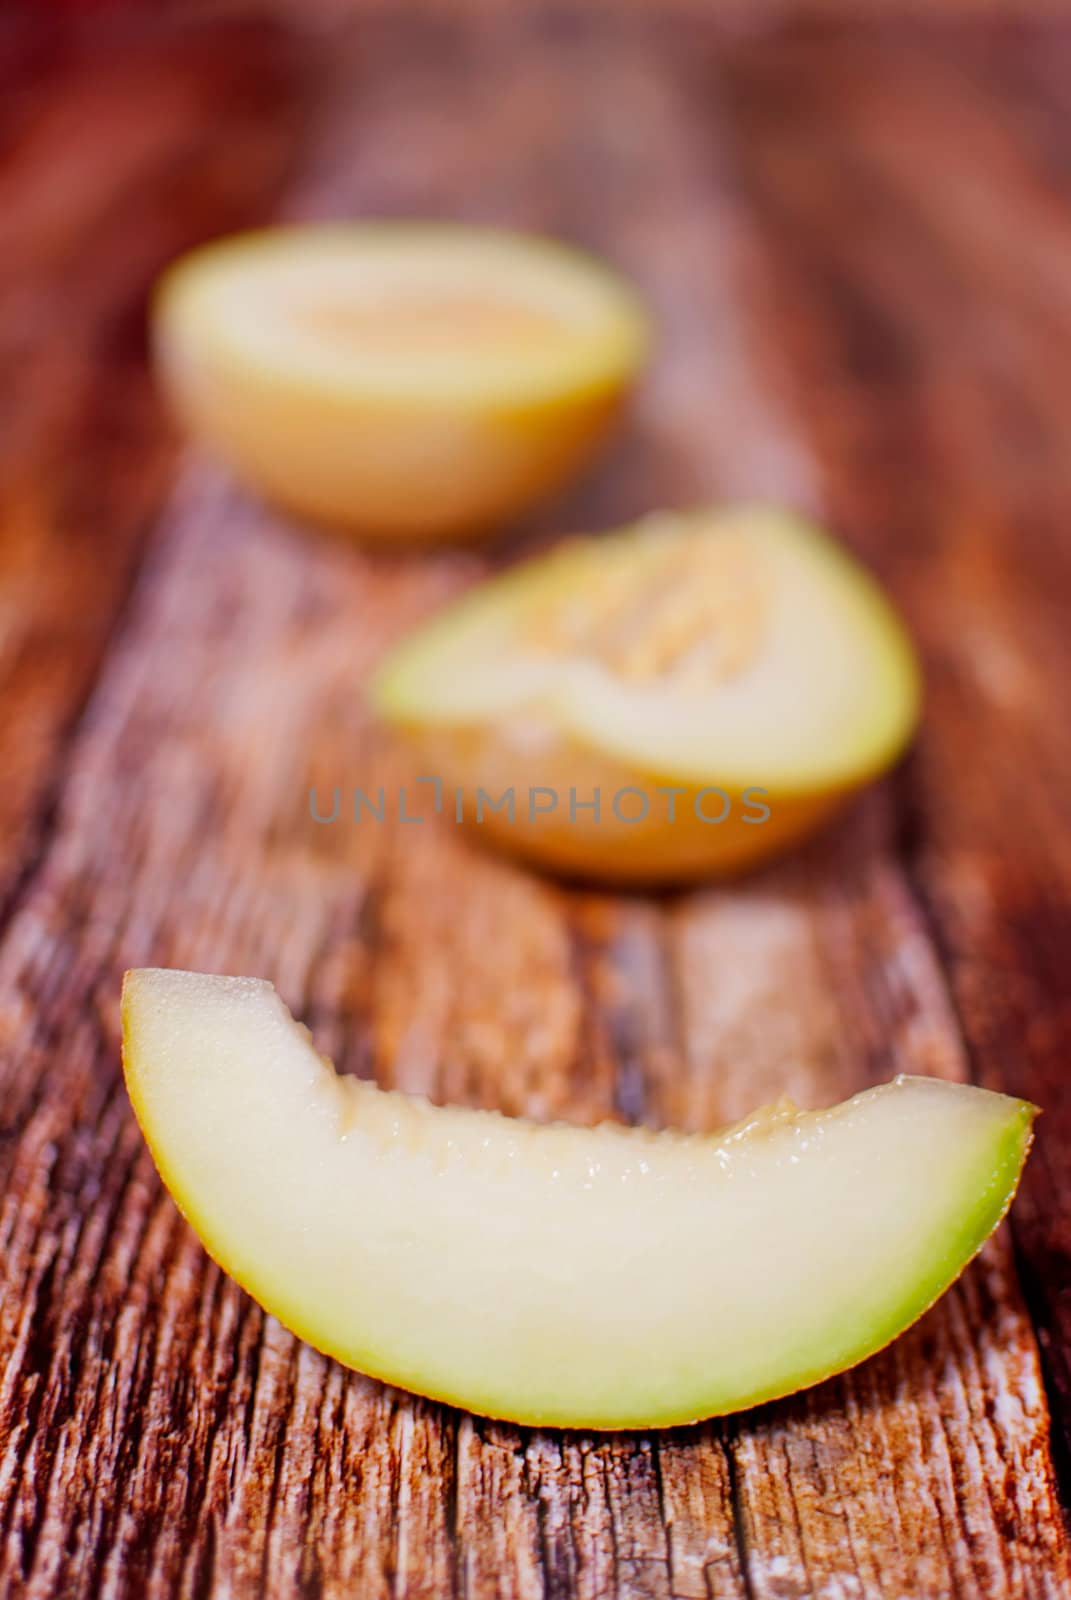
[[846, 327], [118, 153]]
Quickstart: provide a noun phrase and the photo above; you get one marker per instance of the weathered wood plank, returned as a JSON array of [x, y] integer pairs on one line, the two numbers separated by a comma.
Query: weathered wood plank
[[161, 1435], [111, 165]]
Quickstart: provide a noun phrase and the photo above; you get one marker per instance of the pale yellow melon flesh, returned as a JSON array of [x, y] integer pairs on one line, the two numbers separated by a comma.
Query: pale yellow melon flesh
[[399, 380], [603, 1277], [740, 651]]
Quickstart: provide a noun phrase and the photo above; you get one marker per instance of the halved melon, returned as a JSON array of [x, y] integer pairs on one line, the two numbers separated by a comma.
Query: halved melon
[[604, 1277], [721, 681], [399, 380]]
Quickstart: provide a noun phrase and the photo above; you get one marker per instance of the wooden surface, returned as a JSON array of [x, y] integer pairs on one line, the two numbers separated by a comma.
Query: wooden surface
[[859, 247]]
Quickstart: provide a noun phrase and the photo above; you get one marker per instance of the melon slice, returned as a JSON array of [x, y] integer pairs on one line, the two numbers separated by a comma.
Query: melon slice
[[402, 380], [720, 681], [603, 1277]]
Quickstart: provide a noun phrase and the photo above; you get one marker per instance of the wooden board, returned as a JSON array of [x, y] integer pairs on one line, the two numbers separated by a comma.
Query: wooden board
[[857, 243]]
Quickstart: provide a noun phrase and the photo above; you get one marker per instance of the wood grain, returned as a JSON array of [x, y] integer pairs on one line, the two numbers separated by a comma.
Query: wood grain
[[161, 1436], [110, 169]]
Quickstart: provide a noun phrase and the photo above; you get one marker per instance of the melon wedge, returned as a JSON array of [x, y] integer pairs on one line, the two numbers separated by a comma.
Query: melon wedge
[[603, 1277], [399, 380], [683, 697]]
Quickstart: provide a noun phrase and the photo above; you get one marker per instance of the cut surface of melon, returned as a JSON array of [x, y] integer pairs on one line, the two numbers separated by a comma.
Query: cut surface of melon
[[740, 649], [420, 378], [603, 1277]]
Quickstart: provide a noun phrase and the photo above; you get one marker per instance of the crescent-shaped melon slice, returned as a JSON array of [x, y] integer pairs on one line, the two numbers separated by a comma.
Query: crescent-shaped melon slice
[[604, 1277]]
